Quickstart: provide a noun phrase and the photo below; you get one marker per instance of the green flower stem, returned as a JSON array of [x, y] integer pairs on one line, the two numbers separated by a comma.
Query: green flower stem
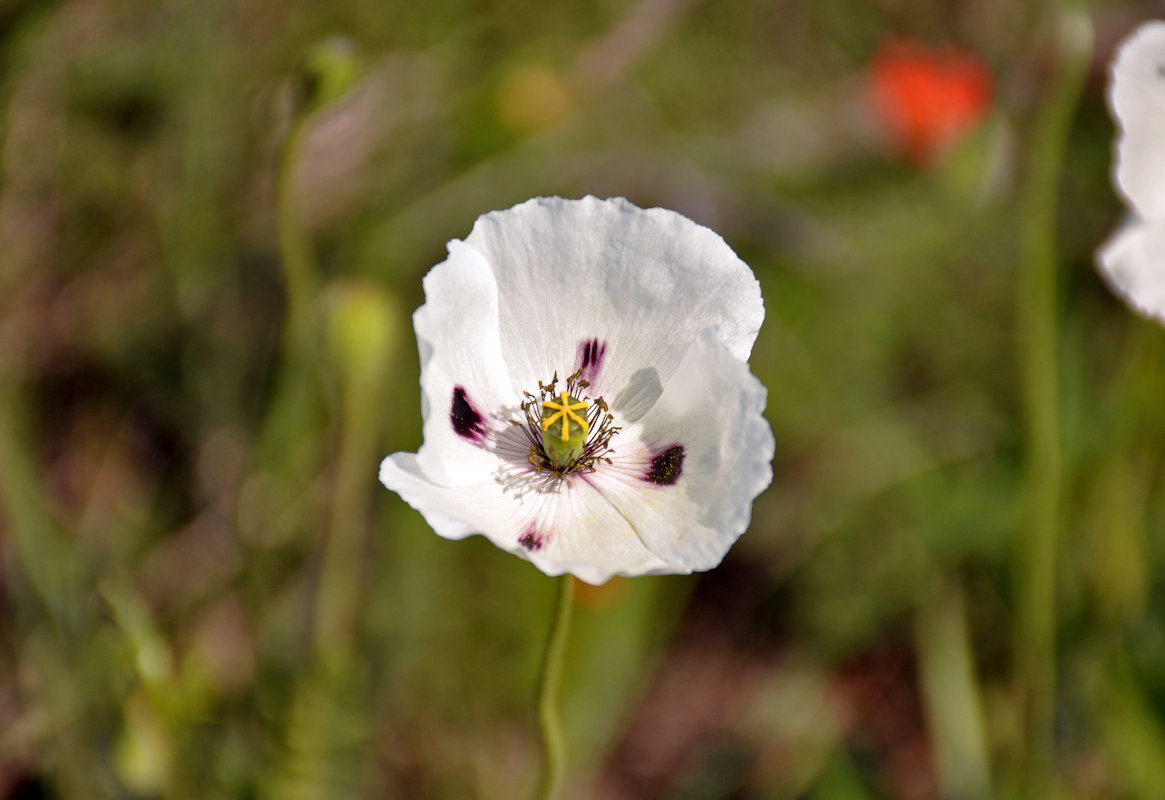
[[1038, 358], [548, 686]]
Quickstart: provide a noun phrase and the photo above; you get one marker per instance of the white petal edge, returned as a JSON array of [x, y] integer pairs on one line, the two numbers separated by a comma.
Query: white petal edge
[[1137, 102], [644, 281], [713, 407], [1133, 264], [585, 535], [458, 339]]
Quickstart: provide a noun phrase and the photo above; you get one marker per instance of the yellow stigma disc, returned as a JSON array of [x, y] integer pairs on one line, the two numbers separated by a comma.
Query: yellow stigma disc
[[566, 409]]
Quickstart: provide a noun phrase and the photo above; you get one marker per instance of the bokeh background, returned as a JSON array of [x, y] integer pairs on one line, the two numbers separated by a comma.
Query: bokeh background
[[214, 221]]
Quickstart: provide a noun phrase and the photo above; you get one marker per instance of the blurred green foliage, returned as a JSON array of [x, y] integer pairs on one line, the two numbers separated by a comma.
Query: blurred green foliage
[[214, 218]]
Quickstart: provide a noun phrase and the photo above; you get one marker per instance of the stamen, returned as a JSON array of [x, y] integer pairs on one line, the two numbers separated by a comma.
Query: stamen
[[587, 427]]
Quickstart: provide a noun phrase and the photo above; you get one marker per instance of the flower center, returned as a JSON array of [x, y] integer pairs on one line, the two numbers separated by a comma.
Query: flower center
[[568, 431], [562, 450]]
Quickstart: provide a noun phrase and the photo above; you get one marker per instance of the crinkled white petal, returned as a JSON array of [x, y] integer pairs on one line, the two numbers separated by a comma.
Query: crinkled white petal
[[571, 526], [640, 284], [712, 409], [1133, 263], [458, 336], [1137, 100]]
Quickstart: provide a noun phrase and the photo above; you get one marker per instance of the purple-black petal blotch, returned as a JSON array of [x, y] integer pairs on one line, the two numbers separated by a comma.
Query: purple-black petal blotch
[[666, 467], [531, 540], [590, 358], [466, 420]]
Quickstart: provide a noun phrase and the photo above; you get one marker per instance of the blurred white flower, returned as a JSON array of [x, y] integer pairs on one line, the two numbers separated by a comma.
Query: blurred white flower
[[586, 398], [1133, 259]]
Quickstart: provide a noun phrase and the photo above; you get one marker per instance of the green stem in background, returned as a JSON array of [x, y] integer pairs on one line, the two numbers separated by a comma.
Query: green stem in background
[[330, 69], [553, 751], [337, 608], [295, 402], [43, 555], [361, 324], [296, 252], [344, 332], [950, 690], [1038, 360]]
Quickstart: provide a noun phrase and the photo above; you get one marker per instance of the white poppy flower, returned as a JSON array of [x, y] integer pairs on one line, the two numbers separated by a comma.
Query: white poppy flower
[[1133, 260], [586, 398]]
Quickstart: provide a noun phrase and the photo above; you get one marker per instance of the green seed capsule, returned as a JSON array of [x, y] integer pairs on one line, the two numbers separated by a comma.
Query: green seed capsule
[[564, 429]]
